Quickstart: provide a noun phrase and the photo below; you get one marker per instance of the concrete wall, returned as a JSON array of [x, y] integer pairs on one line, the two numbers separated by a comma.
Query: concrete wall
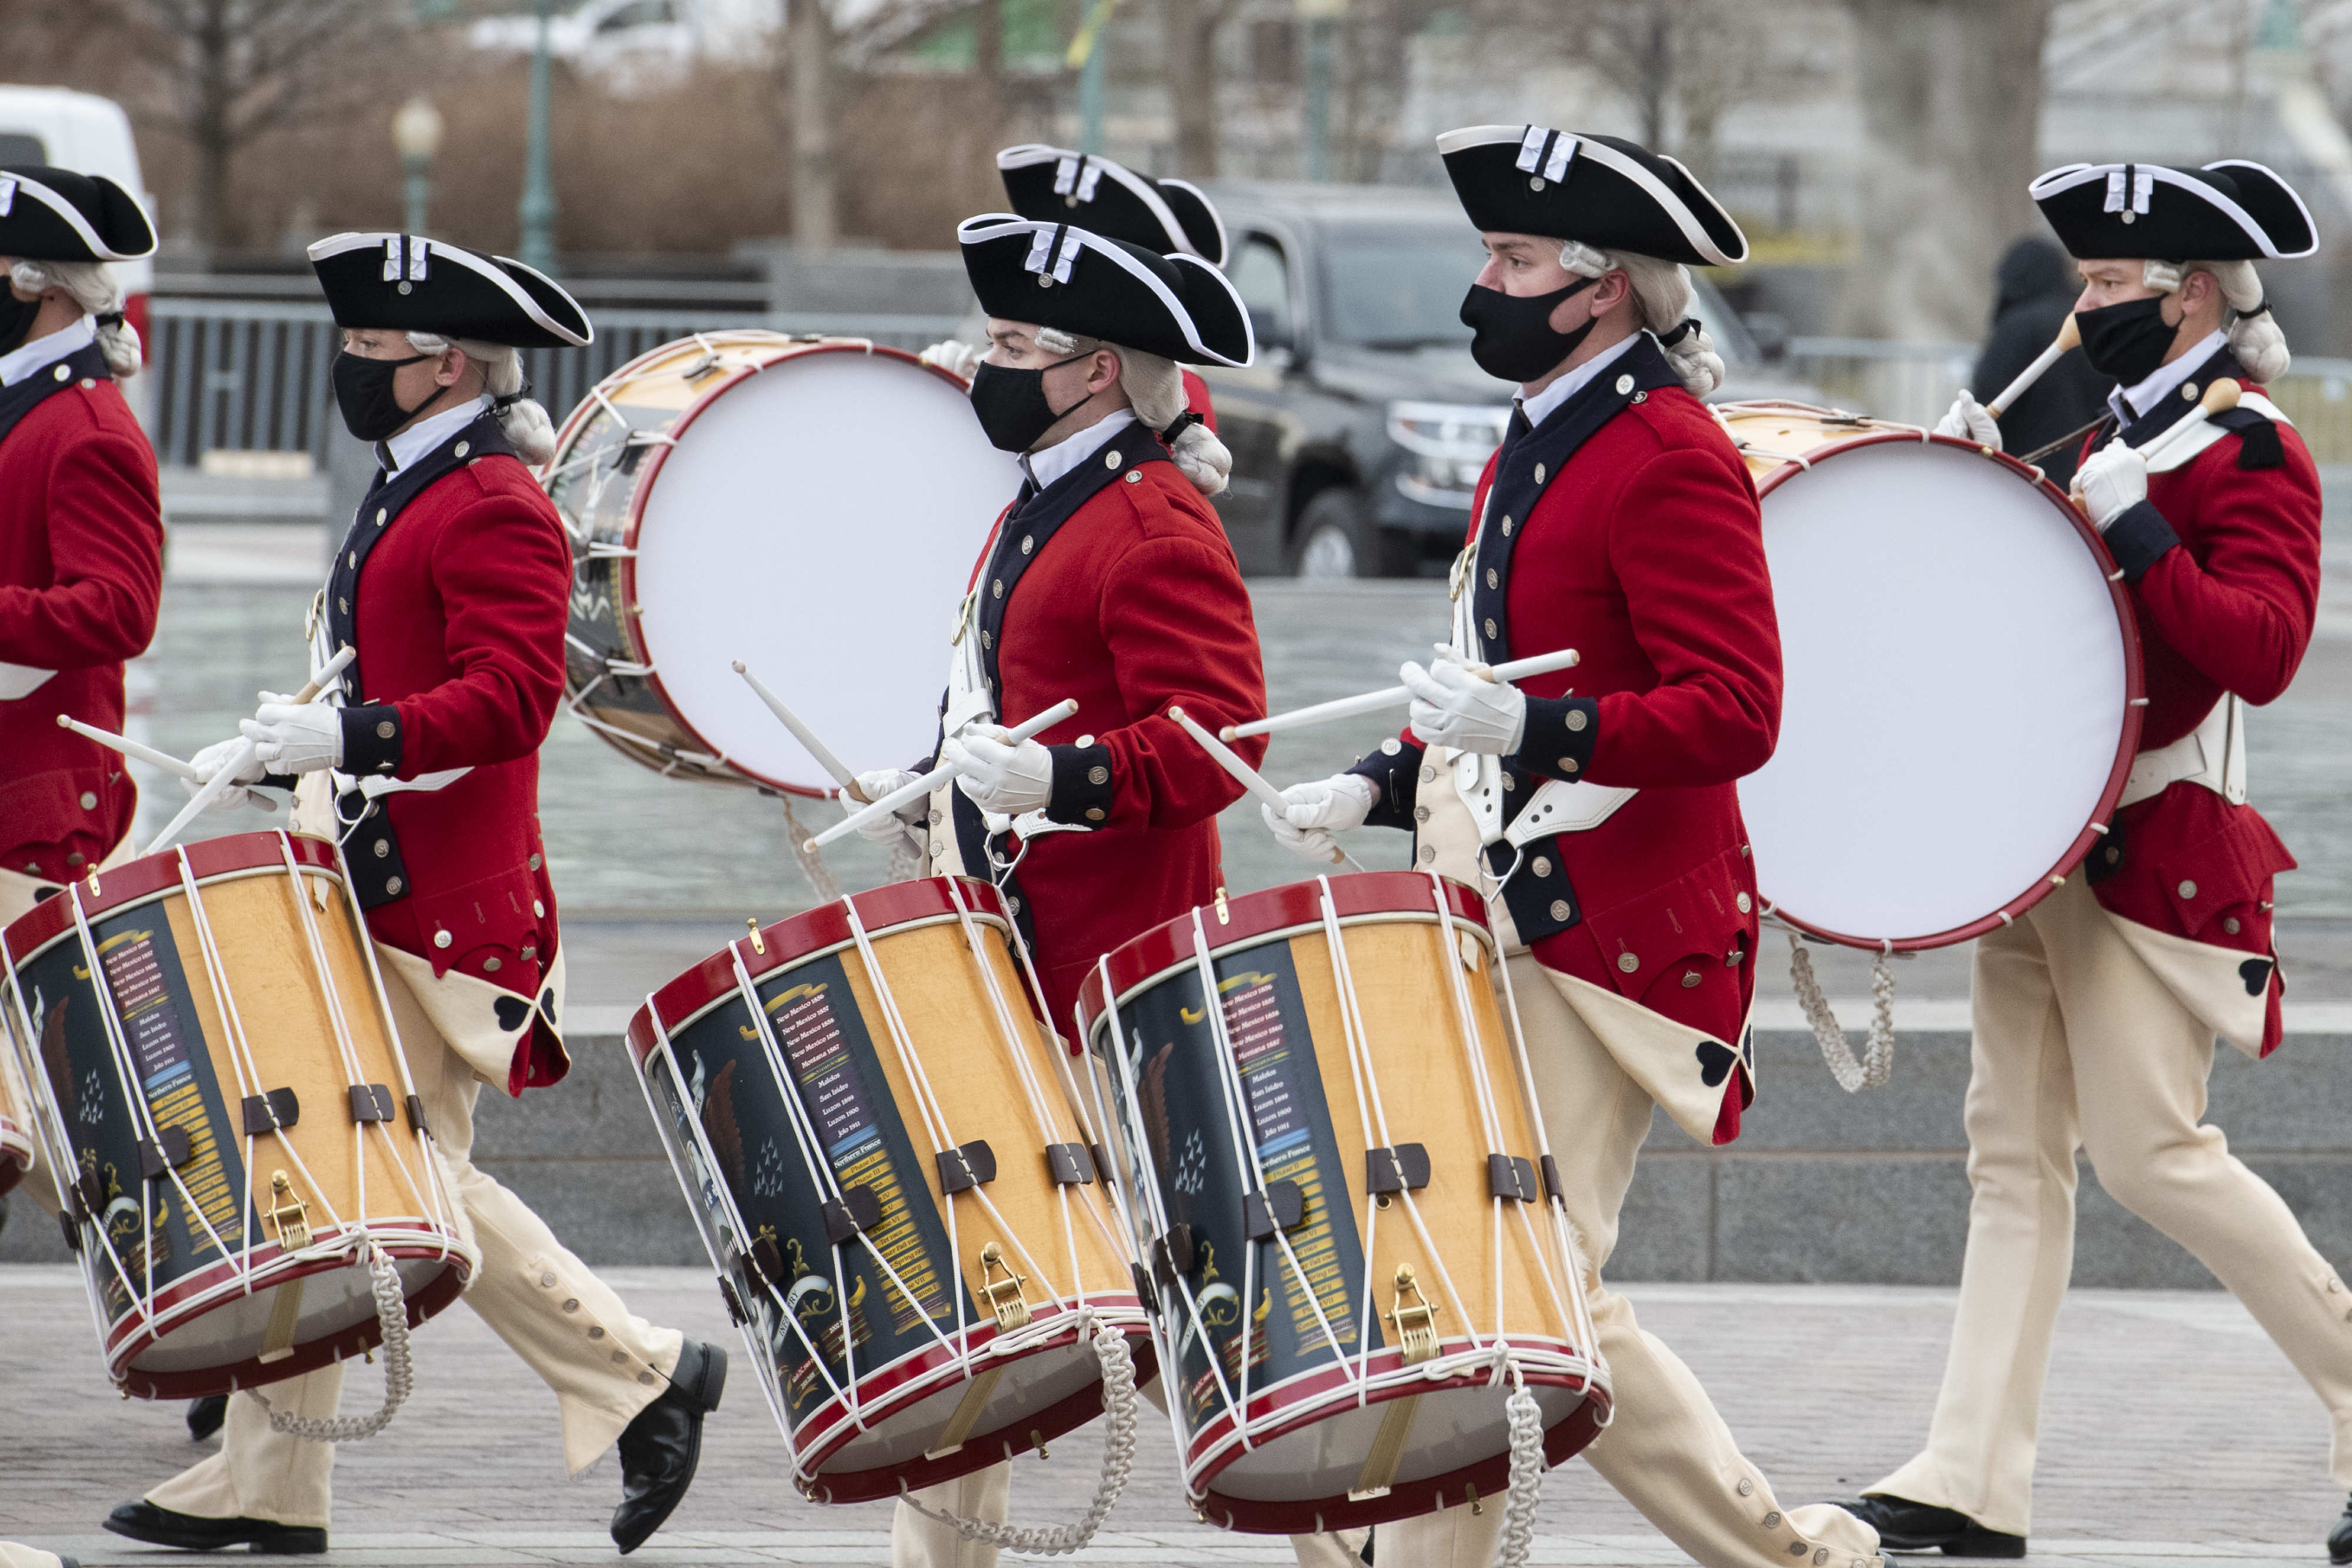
[[1871, 1188]]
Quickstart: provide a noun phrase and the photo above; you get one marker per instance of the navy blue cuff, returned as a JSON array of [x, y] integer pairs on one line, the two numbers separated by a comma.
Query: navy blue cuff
[[2138, 537], [372, 741], [1556, 742], [1394, 769], [1082, 786]]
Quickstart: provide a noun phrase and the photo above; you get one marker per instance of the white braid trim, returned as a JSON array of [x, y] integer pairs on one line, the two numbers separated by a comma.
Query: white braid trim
[[1877, 1063], [399, 1376]]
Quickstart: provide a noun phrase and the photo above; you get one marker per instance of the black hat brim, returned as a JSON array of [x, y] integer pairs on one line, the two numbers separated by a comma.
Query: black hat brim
[[1109, 199], [2230, 210], [1056, 275], [57, 214], [1602, 191], [407, 283]]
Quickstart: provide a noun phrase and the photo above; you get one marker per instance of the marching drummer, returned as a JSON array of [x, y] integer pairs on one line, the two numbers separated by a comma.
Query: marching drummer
[[1168, 216], [1107, 579], [2095, 1013], [81, 528], [1618, 520], [453, 585]]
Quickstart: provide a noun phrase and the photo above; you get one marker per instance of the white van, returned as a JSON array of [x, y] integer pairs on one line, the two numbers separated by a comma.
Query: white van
[[89, 135]]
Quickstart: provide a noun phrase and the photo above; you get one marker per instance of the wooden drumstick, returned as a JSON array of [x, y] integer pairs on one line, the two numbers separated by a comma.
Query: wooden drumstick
[[1394, 696], [917, 789], [2220, 397], [245, 754], [2070, 336], [801, 732], [128, 746], [1251, 779]]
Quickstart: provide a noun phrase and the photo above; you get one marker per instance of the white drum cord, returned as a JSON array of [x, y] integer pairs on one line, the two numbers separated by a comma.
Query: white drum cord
[[812, 862], [1877, 1063], [1120, 1402], [399, 1375], [1526, 1495]]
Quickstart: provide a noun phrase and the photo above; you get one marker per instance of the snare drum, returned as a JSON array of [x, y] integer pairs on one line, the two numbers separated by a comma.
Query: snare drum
[[1338, 1176], [214, 1071], [723, 497], [905, 1218], [1960, 681]]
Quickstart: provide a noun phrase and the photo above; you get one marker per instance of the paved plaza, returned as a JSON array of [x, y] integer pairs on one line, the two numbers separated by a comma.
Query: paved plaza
[[2172, 1429]]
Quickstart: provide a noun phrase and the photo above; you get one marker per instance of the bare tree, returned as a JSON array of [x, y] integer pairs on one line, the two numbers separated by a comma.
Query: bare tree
[[1190, 29]]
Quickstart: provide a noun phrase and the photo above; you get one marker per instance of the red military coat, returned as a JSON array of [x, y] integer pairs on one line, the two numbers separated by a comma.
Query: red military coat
[[1127, 598], [2223, 564], [457, 605], [1644, 551], [81, 571]]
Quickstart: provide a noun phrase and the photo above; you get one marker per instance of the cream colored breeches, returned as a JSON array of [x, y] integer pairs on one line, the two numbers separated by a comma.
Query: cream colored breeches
[[14, 1556], [603, 1363], [2079, 1045]]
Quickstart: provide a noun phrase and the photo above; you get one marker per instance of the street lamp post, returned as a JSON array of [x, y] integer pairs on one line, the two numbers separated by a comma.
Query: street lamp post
[[1321, 18], [1086, 55], [537, 209], [416, 133]]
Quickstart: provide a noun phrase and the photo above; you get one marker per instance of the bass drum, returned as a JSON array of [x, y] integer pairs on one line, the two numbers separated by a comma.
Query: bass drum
[[746, 496], [1961, 681]]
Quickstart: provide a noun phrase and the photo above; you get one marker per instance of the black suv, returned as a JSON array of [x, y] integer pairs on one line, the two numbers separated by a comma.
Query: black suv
[[1361, 432]]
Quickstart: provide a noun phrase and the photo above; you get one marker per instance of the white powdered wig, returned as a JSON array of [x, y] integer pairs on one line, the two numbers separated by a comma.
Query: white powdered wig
[[526, 424], [92, 285], [1155, 388], [1662, 294], [2254, 335]]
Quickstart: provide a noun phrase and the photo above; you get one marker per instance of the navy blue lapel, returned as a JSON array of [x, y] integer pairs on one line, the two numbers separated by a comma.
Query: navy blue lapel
[[85, 363], [2172, 410]]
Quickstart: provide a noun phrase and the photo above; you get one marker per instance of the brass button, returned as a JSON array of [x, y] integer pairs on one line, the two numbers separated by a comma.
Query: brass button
[[1772, 1520], [1541, 473], [1796, 1549], [529, 954], [76, 859], [539, 909], [64, 374], [1494, 579], [1567, 765], [1690, 978], [1428, 854], [2187, 890], [1110, 458], [619, 1356], [88, 384], [1745, 903], [443, 939], [1421, 813], [490, 965], [1535, 182], [2230, 926], [1135, 475], [546, 1279], [533, 862], [1561, 910], [997, 588], [597, 1333], [392, 886], [343, 604], [936, 818], [1629, 962], [1097, 775], [1747, 1486], [1542, 866], [90, 799], [464, 447], [1428, 774], [2113, 855], [1506, 525], [647, 1378], [1094, 813], [382, 847], [381, 516], [1576, 719], [384, 729], [1028, 543], [1490, 627], [1392, 745], [572, 1305], [1821, 1557], [354, 557], [2188, 391]]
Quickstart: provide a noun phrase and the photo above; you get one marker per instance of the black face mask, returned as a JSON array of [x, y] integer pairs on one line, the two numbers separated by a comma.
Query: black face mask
[[1512, 336], [363, 392], [2127, 341], [15, 318], [1012, 405]]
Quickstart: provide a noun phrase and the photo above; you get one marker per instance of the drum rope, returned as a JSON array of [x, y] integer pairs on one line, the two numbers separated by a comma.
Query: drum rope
[[240, 1050], [1525, 1419], [399, 1379], [811, 861], [1368, 1103], [1119, 1459], [1877, 1063], [355, 1077]]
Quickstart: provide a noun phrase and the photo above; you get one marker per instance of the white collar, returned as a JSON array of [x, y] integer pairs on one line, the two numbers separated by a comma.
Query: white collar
[[42, 353], [1067, 453], [427, 434], [2146, 397], [1539, 407]]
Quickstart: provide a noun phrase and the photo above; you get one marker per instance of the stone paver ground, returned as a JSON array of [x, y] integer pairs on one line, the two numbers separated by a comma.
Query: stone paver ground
[[2172, 1429]]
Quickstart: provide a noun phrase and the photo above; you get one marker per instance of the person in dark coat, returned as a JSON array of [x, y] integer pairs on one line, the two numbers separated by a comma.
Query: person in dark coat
[[2033, 293]]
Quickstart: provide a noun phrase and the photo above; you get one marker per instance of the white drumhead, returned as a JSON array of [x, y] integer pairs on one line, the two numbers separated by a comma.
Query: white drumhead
[[818, 521], [1955, 693]]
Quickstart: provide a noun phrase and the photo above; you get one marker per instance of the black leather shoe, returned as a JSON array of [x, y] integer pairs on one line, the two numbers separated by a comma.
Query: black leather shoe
[[660, 1448], [205, 1416], [142, 1521], [2339, 1540], [1906, 1526]]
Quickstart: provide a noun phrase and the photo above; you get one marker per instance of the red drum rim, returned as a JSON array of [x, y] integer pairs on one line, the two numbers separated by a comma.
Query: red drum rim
[[150, 874], [2134, 687], [881, 1397], [650, 476], [889, 907], [1257, 915], [130, 1338]]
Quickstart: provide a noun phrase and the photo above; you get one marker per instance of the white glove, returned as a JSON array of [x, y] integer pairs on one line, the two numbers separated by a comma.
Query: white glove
[[1006, 780], [214, 757], [1316, 810], [2111, 480], [295, 737], [1454, 706], [890, 829], [956, 357], [1968, 420]]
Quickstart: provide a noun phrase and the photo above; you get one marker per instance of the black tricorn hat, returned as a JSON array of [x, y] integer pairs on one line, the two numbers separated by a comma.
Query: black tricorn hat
[[56, 214], [1609, 193], [2229, 211], [1177, 307], [407, 283], [1055, 185]]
